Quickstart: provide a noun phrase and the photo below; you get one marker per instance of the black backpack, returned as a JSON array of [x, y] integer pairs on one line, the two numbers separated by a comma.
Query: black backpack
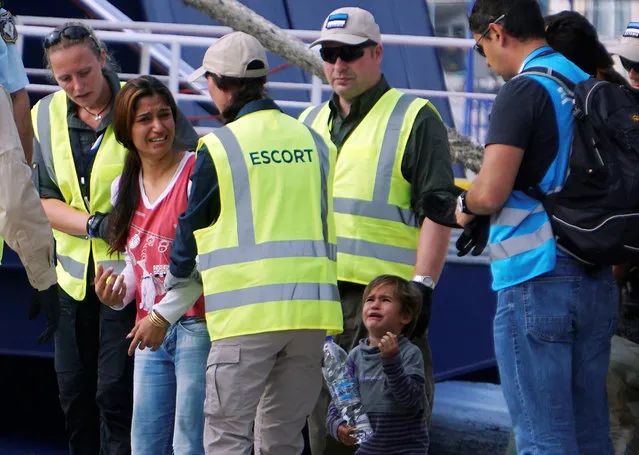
[[595, 216]]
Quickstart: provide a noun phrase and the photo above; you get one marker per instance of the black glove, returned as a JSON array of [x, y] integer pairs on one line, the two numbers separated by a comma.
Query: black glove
[[419, 329], [474, 237], [96, 226], [48, 301]]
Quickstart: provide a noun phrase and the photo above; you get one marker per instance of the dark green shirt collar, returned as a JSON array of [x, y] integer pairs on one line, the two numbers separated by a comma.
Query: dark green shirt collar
[[257, 105], [363, 103]]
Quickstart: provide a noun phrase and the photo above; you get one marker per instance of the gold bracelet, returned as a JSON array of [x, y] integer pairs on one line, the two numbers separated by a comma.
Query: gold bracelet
[[157, 320], [166, 324]]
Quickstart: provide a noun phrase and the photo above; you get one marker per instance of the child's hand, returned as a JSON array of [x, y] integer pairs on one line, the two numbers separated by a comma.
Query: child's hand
[[344, 434], [388, 345]]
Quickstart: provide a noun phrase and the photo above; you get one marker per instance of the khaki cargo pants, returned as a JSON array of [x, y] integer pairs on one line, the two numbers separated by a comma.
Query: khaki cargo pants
[[272, 379]]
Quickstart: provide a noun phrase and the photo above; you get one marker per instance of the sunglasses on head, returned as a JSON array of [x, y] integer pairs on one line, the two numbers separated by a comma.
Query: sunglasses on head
[[73, 32], [629, 64], [346, 53], [478, 47]]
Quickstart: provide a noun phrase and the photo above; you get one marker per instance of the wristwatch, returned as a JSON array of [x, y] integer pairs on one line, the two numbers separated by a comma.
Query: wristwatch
[[461, 204], [425, 280], [92, 225]]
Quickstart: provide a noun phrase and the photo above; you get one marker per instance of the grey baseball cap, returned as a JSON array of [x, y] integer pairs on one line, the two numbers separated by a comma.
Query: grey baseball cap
[[231, 55], [350, 26]]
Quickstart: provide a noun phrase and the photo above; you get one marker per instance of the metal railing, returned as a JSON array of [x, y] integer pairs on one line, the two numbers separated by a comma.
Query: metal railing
[[174, 37], [164, 42]]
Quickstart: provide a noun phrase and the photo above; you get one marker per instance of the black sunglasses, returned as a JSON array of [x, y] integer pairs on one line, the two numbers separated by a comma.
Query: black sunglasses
[[478, 47], [629, 64], [346, 53], [73, 32]]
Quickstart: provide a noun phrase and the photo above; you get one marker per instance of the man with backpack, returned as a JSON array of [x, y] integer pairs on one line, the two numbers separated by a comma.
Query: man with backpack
[[555, 315]]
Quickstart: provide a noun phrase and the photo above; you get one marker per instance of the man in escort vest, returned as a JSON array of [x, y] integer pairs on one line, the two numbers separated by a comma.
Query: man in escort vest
[[554, 318], [393, 192], [23, 222], [260, 220]]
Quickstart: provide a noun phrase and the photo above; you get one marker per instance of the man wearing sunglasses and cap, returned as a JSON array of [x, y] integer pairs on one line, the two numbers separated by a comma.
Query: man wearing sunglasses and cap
[[628, 52], [393, 191]]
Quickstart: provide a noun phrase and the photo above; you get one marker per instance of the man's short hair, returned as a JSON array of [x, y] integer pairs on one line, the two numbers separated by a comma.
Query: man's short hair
[[523, 19]]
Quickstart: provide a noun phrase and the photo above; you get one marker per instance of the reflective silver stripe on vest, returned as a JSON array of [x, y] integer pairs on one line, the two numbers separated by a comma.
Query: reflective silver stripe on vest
[[325, 172], [379, 207], [278, 249], [118, 266], [389, 148], [514, 217], [71, 266], [521, 244], [376, 250], [380, 212], [271, 293], [242, 192], [44, 136], [312, 115]]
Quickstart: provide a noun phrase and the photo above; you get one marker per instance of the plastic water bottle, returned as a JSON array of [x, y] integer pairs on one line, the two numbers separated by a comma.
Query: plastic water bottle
[[344, 390]]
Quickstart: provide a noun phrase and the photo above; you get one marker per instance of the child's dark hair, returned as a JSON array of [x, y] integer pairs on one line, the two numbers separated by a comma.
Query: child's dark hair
[[409, 297]]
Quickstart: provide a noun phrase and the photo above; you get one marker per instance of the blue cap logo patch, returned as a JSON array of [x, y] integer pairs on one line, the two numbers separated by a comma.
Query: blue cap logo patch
[[336, 21]]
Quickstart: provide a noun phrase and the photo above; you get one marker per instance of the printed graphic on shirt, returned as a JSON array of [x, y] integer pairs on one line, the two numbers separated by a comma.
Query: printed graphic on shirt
[[155, 246]]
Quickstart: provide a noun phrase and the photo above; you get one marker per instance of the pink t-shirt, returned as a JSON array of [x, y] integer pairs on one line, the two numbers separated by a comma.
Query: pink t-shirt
[[150, 236]]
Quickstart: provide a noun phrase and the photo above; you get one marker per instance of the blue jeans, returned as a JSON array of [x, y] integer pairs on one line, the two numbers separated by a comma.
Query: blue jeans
[[169, 386], [552, 342]]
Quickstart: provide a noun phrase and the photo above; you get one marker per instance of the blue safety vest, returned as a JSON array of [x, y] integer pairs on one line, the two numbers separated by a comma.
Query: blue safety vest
[[522, 245]]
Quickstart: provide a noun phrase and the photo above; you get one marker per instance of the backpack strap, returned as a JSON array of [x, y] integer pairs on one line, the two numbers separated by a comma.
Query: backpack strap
[[558, 78], [536, 192]]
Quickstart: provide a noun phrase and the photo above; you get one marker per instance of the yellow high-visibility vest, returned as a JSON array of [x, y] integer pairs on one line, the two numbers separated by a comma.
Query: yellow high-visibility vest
[[377, 232], [268, 262], [50, 127]]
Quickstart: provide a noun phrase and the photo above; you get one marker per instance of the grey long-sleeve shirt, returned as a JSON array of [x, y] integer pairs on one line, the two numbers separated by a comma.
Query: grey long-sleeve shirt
[[23, 223], [393, 396]]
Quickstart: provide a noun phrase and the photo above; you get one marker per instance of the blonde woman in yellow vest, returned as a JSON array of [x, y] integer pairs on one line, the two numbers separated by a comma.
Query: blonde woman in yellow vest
[[393, 195], [260, 220], [76, 158]]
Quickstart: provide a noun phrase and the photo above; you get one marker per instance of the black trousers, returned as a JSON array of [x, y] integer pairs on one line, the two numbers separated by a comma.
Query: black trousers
[[95, 374]]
